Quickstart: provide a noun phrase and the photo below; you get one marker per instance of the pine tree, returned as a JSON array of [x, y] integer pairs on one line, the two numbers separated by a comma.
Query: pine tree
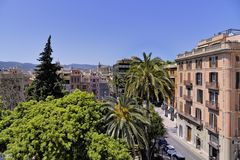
[[48, 81]]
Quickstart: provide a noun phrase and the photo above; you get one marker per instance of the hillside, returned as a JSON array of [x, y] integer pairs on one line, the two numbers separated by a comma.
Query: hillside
[[30, 66]]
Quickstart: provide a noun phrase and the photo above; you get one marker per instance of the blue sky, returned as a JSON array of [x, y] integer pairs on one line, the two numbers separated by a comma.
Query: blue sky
[[92, 31]]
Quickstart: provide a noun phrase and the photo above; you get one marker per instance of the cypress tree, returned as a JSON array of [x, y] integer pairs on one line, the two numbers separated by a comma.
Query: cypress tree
[[47, 82]]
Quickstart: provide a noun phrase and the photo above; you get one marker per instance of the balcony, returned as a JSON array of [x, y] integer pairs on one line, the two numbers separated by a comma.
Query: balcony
[[212, 105], [191, 119], [214, 141], [187, 98], [212, 85], [211, 128], [188, 83]]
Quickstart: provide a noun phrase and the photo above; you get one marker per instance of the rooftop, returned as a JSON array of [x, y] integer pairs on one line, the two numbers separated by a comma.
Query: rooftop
[[225, 40]]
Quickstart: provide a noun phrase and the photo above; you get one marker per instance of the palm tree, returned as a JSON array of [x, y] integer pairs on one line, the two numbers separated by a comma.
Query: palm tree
[[147, 79], [125, 119]]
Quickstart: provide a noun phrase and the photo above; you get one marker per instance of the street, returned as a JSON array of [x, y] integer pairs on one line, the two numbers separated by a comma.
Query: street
[[187, 150], [189, 155]]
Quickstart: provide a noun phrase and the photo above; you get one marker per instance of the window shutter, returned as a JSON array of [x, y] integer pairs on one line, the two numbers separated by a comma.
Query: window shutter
[[216, 61], [210, 62]]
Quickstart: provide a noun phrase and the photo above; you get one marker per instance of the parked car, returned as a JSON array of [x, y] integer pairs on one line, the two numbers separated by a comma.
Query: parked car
[[162, 142], [169, 149], [171, 152], [177, 156]]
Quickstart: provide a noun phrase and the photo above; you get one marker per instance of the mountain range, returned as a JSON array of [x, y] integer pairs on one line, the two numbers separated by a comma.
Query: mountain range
[[30, 66]]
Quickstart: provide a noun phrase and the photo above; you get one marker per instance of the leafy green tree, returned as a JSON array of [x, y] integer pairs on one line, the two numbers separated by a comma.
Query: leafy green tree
[[147, 79], [125, 119], [48, 81], [103, 147], [59, 129], [155, 130], [169, 62]]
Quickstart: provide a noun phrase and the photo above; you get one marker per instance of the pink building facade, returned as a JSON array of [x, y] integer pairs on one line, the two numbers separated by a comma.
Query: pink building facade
[[208, 99]]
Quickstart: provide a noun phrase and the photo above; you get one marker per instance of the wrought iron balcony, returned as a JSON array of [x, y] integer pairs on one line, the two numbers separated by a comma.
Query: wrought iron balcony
[[187, 98], [212, 105], [188, 83], [212, 85], [213, 129], [190, 118]]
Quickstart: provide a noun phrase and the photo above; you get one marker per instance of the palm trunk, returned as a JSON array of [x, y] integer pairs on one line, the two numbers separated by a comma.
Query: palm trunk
[[134, 153], [148, 107]]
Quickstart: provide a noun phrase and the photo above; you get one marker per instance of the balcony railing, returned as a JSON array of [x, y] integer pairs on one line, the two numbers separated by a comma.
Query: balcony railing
[[211, 128], [189, 117], [222, 46], [213, 158], [188, 83], [212, 105], [187, 98], [212, 85]]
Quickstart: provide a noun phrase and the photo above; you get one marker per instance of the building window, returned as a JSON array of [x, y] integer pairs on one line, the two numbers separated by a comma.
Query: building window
[[180, 131], [200, 96], [213, 120], [213, 61], [189, 76], [237, 58], [237, 80], [189, 92], [213, 77], [199, 63], [198, 78], [213, 97], [181, 107], [238, 126], [181, 78], [180, 65], [188, 109], [180, 91], [84, 87], [189, 65], [198, 114]]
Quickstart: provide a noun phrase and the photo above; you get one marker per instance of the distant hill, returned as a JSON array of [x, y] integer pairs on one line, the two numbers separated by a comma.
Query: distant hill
[[30, 66], [81, 66]]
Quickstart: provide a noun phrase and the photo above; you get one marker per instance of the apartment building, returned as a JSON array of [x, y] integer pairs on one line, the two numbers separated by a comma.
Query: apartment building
[[208, 99], [170, 105], [89, 81], [75, 78], [119, 72], [12, 85], [104, 70]]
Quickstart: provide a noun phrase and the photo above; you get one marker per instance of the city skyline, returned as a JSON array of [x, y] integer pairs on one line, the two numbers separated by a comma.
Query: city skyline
[[106, 31]]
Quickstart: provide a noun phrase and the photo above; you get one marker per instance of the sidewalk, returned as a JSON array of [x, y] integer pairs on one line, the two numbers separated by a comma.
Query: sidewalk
[[172, 130]]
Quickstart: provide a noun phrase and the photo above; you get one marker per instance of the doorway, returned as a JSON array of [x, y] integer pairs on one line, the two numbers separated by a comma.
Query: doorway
[[198, 143], [189, 133]]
